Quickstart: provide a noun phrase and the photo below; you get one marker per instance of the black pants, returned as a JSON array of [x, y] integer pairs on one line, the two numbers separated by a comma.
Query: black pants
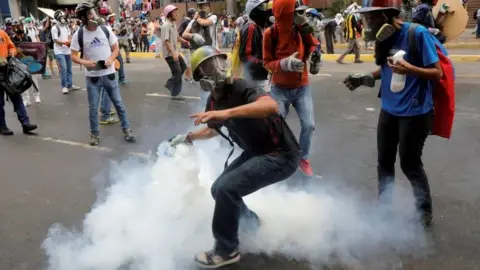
[[329, 35], [408, 134], [145, 44], [174, 84]]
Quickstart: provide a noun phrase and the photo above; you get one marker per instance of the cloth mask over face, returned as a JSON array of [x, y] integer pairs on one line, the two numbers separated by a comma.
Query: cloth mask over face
[[214, 75]]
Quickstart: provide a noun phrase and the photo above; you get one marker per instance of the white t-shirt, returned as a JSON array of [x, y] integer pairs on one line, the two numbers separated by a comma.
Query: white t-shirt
[[96, 47], [211, 29], [64, 34], [32, 33]]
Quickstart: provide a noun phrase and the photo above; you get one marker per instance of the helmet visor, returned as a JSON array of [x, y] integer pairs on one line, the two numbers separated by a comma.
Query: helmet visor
[[211, 65]]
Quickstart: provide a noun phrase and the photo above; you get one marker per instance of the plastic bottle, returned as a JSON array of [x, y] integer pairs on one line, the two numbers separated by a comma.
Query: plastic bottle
[[398, 80]]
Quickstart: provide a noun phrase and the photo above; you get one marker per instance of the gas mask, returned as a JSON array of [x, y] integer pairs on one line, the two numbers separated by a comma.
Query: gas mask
[[376, 27], [62, 20], [213, 72], [92, 19], [302, 22], [202, 14], [260, 15], [19, 31]]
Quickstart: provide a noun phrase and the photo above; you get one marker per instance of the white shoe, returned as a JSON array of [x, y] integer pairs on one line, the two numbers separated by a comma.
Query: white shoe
[[26, 102], [37, 99], [65, 90], [74, 87]]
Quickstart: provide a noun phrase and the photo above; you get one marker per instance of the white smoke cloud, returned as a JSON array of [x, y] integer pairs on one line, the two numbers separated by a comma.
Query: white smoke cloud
[[158, 215]]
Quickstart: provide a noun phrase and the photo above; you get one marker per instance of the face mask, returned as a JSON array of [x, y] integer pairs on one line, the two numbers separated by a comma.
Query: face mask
[[19, 31], [215, 75], [63, 20], [377, 30], [301, 21]]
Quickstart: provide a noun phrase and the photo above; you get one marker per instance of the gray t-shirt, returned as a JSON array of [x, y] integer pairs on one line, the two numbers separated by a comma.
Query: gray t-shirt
[[169, 32]]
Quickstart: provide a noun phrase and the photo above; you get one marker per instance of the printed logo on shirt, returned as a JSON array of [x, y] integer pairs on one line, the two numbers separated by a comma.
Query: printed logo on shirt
[[96, 43]]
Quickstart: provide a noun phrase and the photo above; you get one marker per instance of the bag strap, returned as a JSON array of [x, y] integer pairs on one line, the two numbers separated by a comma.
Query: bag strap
[[229, 141], [412, 40], [80, 37]]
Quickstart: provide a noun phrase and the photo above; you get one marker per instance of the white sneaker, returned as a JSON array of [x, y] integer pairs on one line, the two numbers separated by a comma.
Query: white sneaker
[[37, 99], [74, 87], [26, 102], [65, 90]]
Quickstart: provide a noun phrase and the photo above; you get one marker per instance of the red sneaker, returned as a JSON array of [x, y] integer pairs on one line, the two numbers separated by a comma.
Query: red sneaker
[[305, 167]]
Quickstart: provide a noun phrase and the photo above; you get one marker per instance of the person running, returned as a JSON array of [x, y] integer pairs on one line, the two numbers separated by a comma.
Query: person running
[[7, 49], [61, 36], [352, 28], [406, 116], [19, 37], [99, 51], [174, 60], [270, 150], [286, 59]]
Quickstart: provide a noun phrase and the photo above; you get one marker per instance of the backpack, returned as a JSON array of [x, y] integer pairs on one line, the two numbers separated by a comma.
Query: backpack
[[107, 34], [16, 77], [443, 90], [204, 31]]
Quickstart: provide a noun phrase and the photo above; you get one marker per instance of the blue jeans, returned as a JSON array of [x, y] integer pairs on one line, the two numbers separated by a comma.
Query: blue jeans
[[105, 105], [226, 39], [18, 107], [65, 62], [121, 71], [109, 84], [245, 175], [301, 99], [478, 28]]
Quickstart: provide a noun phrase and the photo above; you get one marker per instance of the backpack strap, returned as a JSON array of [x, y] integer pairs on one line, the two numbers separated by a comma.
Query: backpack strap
[[229, 141], [412, 40], [80, 37]]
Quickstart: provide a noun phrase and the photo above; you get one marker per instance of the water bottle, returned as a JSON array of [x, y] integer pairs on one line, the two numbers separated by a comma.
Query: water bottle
[[315, 60], [398, 80]]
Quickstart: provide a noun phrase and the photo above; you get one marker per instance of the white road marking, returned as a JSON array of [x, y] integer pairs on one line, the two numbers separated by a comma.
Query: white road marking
[[370, 109], [168, 96], [86, 146]]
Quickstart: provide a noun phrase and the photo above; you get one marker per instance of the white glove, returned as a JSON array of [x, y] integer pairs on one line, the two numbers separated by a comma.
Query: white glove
[[198, 39], [180, 139], [292, 63]]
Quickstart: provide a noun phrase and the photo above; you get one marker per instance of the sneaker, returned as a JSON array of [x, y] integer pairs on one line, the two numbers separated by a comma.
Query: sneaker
[[94, 140], [358, 61], [305, 167], [426, 220], [37, 99], [74, 87], [65, 90], [178, 98], [123, 82], [109, 121], [28, 128], [210, 260], [5, 131], [26, 102], [340, 61], [128, 61], [128, 135], [113, 112]]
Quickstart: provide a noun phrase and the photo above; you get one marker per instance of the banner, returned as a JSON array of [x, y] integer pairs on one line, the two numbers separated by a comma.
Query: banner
[[34, 55]]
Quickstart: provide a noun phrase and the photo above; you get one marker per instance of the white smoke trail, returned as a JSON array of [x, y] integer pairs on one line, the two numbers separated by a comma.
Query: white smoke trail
[[157, 216]]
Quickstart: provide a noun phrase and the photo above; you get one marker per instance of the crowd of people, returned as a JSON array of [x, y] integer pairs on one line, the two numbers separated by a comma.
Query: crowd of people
[[275, 48]]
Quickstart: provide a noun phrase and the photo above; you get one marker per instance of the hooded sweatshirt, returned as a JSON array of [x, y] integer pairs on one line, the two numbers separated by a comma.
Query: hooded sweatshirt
[[288, 41]]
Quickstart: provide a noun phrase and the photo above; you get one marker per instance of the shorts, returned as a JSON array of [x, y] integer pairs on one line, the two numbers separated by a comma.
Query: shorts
[[50, 54], [186, 56]]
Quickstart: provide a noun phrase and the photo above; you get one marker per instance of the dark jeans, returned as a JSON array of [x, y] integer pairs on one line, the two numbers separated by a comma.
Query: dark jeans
[[145, 44], [18, 107], [245, 175], [174, 84], [409, 134]]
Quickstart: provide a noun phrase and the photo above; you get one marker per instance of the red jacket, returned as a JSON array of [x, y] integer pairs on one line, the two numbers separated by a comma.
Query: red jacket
[[288, 41]]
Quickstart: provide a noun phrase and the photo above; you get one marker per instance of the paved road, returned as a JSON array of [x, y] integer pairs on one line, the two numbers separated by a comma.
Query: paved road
[[46, 178]]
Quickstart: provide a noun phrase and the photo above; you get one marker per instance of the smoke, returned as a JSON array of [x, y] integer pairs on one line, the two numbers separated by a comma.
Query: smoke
[[158, 215]]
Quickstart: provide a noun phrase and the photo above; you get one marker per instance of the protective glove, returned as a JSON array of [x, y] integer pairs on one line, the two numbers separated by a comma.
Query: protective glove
[[292, 63], [180, 139], [198, 39], [358, 79]]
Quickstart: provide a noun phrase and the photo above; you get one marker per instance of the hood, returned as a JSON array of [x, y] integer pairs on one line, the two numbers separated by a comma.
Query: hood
[[283, 12]]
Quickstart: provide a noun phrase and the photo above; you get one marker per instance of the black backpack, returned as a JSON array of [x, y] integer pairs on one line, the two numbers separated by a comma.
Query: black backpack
[[15, 77], [203, 31]]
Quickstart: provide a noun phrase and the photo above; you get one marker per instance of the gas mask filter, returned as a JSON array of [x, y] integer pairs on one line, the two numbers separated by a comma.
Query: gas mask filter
[[214, 75], [301, 21], [92, 19], [376, 27]]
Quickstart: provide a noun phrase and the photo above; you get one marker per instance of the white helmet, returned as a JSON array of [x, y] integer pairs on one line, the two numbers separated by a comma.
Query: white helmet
[[252, 4]]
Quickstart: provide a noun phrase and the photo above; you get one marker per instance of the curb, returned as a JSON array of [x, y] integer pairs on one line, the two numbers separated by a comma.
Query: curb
[[455, 45], [458, 58]]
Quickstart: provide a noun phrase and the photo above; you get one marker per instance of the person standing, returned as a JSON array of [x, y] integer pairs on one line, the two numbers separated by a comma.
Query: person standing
[[7, 49], [174, 60], [157, 32], [185, 49], [100, 49], [285, 53], [19, 37], [352, 28], [201, 30], [46, 36], [61, 36]]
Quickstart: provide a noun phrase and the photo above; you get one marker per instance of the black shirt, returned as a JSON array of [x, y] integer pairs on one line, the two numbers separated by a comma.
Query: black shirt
[[182, 28], [254, 135], [25, 38]]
